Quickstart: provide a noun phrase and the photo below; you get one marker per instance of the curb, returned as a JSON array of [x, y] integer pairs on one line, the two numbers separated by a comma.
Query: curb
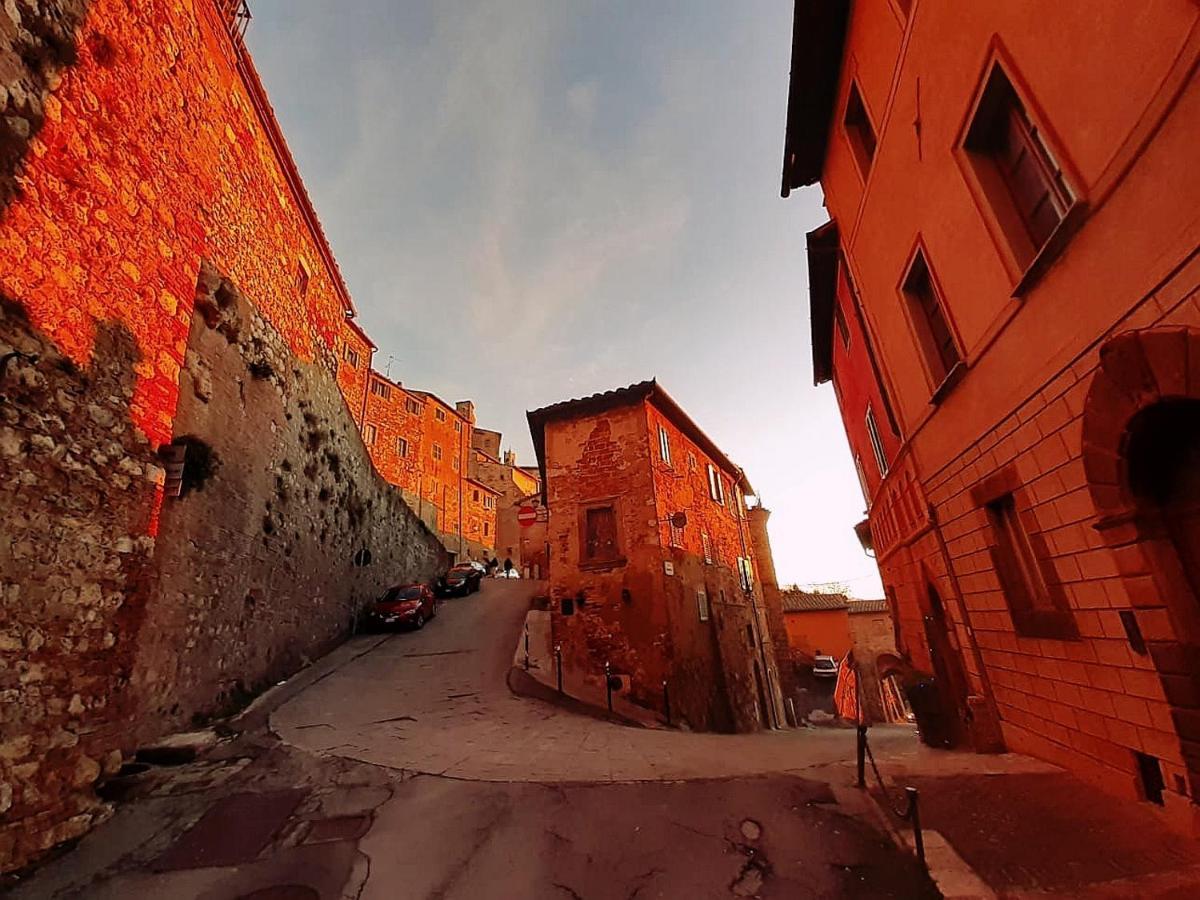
[[522, 684]]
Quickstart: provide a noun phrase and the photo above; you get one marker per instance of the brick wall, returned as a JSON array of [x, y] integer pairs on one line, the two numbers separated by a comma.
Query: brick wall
[[389, 414], [354, 354]]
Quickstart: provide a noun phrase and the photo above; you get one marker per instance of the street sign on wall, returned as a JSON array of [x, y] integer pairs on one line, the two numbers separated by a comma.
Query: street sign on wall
[[526, 516]]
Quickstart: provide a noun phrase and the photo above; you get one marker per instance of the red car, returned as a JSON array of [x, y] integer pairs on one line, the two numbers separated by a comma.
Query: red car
[[410, 605]]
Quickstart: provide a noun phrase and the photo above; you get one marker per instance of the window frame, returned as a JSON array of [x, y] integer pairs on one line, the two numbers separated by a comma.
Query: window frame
[[370, 434], [922, 330], [412, 406], [716, 490], [593, 563], [350, 355], [841, 326], [877, 448], [436, 452], [1024, 262], [664, 445], [381, 388], [702, 608], [1021, 560], [857, 127], [439, 414], [402, 447], [706, 547]]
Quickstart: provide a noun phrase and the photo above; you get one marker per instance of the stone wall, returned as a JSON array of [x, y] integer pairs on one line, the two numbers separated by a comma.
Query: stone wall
[[77, 486], [262, 565]]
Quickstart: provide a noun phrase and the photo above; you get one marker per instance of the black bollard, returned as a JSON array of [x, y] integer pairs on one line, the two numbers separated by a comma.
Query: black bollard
[[862, 756], [526, 646], [558, 664], [914, 813], [667, 702], [608, 684]]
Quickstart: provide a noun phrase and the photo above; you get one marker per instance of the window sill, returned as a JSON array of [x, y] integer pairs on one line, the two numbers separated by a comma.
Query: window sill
[[600, 565], [1051, 624], [953, 377], [1052, 249]]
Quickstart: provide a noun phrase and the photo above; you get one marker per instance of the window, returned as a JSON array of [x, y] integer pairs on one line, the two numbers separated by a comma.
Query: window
[[458, 424], [862, 478], [715, 489], [454, 463], [675, 533], [839, 318], [691, 462], [702, 605], [600, 535], [706, 545], [302, 278], [876, 443], [474, 496], [486, 529], [1035, 612], [859, 131], [1021, 178], [437, 451], [413, 406], [929, 319], [664, 445], [745, 573], [402, 447], [489, 502], [380, 389], [439, 414], [369, 434], [750, 634], [350, 355]]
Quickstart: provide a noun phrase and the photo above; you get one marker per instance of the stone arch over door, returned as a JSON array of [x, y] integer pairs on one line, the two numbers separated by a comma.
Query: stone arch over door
[[1139, 442]]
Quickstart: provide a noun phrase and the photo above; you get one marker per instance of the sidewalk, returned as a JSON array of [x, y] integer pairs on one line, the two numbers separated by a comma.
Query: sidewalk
[[543, 668], [1027, 829]]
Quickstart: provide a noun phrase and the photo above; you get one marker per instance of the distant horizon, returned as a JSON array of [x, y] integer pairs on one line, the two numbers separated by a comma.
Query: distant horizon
[[526, 209]]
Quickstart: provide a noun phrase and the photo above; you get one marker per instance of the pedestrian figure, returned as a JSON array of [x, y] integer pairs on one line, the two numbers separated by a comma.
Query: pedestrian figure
[[507, 566], [492, 565]]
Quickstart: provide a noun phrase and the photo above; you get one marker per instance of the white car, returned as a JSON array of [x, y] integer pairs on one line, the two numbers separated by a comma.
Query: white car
[[825, 667], [511, 573]]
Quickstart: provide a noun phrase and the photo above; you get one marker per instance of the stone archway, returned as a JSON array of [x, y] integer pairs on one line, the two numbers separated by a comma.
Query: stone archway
[[1141, 441]]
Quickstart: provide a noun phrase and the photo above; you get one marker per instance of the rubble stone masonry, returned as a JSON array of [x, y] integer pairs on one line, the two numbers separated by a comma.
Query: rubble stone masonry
[[135, 142]]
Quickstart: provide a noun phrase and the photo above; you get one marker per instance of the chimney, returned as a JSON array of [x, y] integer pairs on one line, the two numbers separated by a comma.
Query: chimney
[[510, 458], [466, 409]]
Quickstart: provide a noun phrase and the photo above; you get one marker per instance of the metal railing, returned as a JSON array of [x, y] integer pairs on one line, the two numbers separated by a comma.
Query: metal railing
[[235, 14], [911, 809]]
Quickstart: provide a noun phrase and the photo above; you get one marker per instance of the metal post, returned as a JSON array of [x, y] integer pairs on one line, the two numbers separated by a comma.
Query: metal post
[[666, 701], [526, 646], [608, 684], [862, 756], [914, 812], [558, 664]]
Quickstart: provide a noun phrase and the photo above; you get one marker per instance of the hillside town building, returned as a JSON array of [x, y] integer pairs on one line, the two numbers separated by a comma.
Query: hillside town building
[[516, 488], [653, 576], [1005, 301]]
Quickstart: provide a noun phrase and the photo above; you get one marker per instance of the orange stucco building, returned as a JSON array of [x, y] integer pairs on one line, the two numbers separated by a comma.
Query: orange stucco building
[[651, 565], [1005, 301]]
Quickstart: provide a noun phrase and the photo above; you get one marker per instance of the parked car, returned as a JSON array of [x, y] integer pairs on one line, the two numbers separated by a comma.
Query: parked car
[[825, 667], [408, 605], [464, 578], [511, 573]]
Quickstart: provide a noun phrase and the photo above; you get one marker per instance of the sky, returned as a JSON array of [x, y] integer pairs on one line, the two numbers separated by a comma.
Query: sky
[[533, 200]]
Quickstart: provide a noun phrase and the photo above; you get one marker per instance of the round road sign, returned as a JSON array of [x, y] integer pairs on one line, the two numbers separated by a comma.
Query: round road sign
[[526, 516]]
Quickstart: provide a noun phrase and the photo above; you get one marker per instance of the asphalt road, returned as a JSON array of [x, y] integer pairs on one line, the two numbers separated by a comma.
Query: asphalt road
[[438, 700]]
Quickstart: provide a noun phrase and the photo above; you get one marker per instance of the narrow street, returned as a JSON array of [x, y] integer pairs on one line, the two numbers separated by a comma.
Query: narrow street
[[408, 769]]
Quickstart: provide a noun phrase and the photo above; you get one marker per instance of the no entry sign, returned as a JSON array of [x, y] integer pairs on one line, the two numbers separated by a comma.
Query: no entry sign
[[526, 516]]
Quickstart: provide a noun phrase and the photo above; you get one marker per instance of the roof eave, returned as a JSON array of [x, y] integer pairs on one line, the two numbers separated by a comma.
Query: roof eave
[[818, 40]]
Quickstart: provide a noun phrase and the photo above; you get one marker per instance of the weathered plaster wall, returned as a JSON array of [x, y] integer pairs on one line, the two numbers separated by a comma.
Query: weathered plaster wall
[[256, 568]]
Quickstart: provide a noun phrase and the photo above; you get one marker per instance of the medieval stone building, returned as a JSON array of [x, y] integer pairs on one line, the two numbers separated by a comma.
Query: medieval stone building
[[652, 568]]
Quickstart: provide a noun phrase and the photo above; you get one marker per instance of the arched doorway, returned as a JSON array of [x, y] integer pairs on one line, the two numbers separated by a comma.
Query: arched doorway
[[1141, 453]]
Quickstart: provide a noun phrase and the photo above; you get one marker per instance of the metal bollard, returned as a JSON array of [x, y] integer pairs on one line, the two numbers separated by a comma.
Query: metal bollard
[[914, 813], [558, 664], [608, 684], [862, 756], [527, 646], [666, 702]]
